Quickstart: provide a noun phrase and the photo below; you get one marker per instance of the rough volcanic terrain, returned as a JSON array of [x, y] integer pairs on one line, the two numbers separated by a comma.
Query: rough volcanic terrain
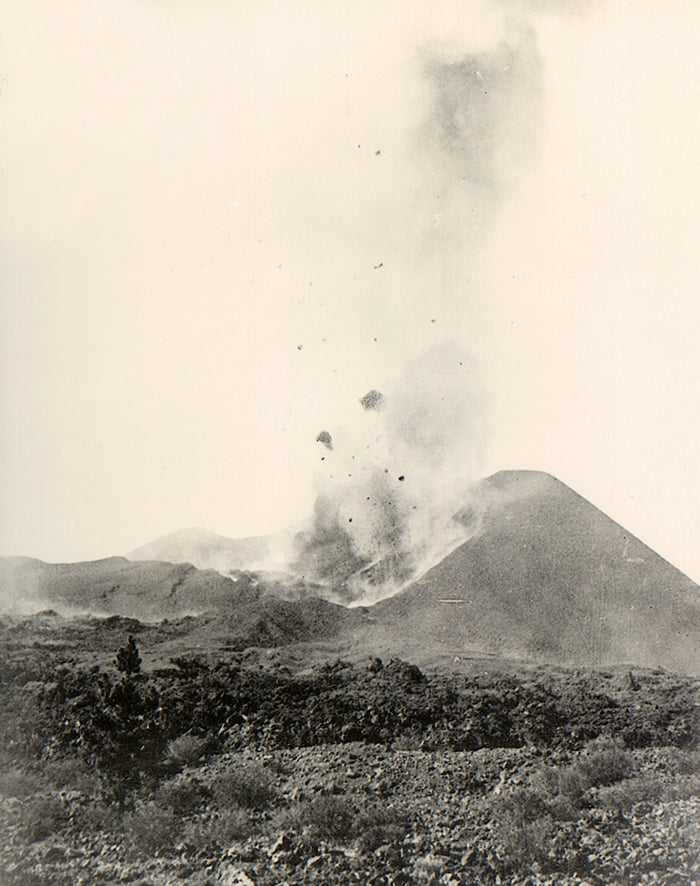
[[240, 772]]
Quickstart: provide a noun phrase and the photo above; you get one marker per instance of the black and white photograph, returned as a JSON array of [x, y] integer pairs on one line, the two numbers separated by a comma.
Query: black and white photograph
[[350, 443]]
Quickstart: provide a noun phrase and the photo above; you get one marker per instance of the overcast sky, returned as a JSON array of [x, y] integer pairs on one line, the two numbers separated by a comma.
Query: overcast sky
[[223, 222]]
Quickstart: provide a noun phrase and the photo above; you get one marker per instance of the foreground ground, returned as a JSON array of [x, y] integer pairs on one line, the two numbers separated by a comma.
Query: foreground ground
[[359, 814], [376, 773]]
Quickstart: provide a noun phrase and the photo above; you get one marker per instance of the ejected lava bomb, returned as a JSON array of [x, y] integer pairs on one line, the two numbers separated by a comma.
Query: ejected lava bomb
[[325, 438], [372, 400]]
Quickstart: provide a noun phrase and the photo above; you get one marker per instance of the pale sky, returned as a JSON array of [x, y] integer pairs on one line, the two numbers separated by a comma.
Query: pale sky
[[222, 223]]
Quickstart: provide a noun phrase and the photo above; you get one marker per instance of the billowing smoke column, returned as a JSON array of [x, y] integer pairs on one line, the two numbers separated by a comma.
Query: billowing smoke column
[[393, 485], [393, 496], [478, 135]]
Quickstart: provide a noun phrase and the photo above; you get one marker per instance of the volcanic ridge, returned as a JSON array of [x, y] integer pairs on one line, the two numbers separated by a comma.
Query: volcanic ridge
[[544, 576]]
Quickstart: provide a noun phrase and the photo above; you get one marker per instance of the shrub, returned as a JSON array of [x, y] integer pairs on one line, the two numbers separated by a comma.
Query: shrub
[[427, 869], [152, 827], [183, 795], [604, 763], [408, 740], [71, 773], [248, 787], [648, 789], [218, 830], [524, 843], [18, 784], [41, 817], [128, 660], [186, 750], [561, 790], [377, 826], [684, 762], [96, 815], [525, 828], [329, 817], [520, 806]]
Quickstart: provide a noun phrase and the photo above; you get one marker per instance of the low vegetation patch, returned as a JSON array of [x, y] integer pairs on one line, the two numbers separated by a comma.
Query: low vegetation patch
[[345, 774], [247, 786]]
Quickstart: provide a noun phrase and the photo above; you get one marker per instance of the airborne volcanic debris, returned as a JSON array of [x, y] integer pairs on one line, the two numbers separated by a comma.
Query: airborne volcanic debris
[[373, 400], [325, 438]]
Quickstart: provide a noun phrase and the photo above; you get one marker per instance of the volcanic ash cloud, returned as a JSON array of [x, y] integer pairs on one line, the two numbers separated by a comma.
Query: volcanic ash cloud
[[391, 487]]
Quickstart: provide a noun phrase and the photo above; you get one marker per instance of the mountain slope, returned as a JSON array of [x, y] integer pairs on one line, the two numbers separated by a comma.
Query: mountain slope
[[114, 586], [548, 576], [207, 550], [247, 608]]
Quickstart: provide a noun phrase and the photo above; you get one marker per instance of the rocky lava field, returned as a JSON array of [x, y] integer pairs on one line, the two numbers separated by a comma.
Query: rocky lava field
[[241, 770]]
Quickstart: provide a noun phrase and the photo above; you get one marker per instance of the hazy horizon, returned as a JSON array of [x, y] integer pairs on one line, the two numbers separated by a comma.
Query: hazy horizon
[[224, 225]]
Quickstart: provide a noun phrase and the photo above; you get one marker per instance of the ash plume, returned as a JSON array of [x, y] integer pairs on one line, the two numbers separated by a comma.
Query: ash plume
[[478, 135], [393, 496], [389, 493]]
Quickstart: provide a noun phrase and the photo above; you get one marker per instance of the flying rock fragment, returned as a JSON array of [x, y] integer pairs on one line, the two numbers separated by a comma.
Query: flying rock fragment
[[372, 400], [325, 438]]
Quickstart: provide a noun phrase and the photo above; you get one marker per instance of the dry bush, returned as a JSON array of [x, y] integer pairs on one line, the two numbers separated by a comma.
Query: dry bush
[[524, 821], [565, 790], [96, 815], [41, 816], [187, 750], [152, 827], [329, 817], [523, 842], [16, 783], [648, 789], [218, 830], [181, 794], [604, 763], [561, 789], [71, 773], [248, 786], [408, 740], [377, 826], [684, 762], [519, 806]]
